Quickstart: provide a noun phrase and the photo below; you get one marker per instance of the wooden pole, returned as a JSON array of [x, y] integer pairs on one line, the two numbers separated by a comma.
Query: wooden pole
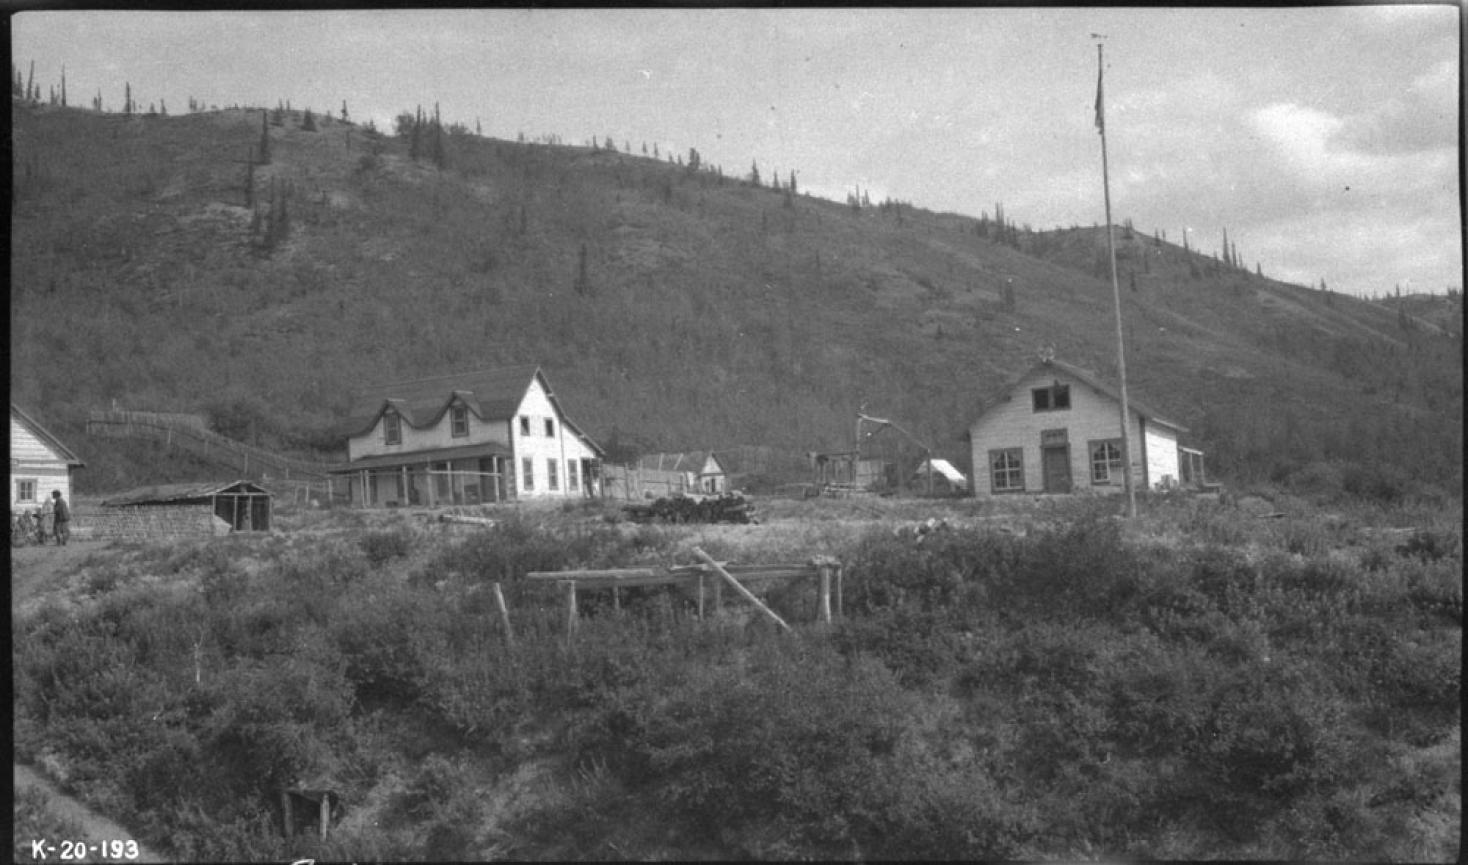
[[700, 596], [287, 824], [499, 602], [825, 608], [325, 813], [748, 595], [1126, 449], [570, 612]]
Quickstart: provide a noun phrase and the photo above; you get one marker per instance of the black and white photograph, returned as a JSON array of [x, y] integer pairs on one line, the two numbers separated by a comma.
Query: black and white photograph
[[731, 433]]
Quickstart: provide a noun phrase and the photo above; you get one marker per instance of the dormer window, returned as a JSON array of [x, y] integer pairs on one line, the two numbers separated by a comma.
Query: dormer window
[[459, 421], [392, 428], [1053, 398]]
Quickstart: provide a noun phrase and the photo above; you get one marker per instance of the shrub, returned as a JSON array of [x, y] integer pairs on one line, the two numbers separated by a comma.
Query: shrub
[[383, 546]]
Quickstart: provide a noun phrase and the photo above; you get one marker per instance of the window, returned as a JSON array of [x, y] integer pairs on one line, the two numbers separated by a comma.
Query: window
[[1007, 470], [550, 428], [524, 425], [392, 429], [1056, 397], [25, 490], [571, 473], [1106, 461], [527, 468], [552, 474], [459, 421]]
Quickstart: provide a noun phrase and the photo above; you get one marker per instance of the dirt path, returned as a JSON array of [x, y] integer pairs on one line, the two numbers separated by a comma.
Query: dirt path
[[95, 828], [36, 570]]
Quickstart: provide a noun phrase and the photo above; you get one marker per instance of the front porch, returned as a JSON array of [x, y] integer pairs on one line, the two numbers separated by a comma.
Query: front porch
[[458, 476]]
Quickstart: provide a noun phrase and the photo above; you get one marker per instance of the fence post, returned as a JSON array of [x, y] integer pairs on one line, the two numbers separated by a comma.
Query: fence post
[[823, 565], [499, 602], [570, 612]]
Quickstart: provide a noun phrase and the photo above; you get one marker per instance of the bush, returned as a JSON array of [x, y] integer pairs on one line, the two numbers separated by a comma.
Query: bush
[[383, 546]]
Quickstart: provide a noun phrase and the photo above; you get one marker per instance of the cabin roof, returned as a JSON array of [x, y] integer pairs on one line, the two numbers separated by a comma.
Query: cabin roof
[[183, 493], [40, 432]]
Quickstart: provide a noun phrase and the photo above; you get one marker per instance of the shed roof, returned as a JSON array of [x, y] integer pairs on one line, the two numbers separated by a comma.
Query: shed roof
[[184, 493], [945, 469], [1086, 377], [687, 461], [40, 432]]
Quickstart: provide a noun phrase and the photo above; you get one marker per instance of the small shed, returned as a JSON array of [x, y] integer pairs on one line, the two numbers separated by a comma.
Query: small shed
[[245, 505], [945, 478]]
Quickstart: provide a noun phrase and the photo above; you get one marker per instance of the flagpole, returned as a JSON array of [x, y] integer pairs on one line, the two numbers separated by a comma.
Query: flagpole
[[1126, 450]]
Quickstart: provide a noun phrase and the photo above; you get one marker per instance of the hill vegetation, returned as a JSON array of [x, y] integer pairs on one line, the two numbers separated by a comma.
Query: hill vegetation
[[257, 267]]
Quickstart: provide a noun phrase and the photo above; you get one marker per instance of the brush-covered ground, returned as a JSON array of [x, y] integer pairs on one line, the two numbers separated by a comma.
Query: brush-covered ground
[[1030, 679]]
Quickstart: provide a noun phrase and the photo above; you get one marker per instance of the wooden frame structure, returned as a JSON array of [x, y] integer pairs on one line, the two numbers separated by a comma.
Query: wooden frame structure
[[708, 577]]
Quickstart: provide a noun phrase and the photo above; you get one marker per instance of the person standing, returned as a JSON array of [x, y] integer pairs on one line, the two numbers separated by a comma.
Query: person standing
[[62, 515]]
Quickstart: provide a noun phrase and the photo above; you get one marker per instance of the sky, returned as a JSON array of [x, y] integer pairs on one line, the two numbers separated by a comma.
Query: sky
[[1324, 140]]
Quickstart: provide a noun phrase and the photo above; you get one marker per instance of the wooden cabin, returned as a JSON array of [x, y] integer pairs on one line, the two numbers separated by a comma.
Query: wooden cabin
[[39, 463], [468, 438], [1057, 429], [244, 505]]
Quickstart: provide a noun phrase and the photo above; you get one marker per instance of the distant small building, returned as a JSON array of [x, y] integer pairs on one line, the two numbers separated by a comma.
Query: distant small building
[[39, 463], [691, 472], [243, 505], [1056, 429], [945, 478], [466, 438]]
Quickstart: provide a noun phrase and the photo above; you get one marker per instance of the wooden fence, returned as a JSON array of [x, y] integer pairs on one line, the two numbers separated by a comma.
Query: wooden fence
[[187, 432]]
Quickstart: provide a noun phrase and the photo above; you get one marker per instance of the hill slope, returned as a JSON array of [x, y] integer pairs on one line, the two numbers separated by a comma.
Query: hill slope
[[672, 308]]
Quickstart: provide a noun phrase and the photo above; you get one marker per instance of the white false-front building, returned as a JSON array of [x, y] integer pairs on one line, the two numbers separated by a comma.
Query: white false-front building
[[467, 438], [39, 463], [1057, 429]]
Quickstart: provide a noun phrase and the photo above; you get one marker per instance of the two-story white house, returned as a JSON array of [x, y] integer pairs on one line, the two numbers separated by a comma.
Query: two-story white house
[[39, 463], [487, 436], [1057, 429]]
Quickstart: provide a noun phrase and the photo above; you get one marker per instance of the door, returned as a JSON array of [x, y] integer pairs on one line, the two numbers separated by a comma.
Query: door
[[1055, 463]]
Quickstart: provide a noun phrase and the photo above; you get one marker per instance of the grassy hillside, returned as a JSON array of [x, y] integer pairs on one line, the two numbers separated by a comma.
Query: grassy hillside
[[672, 308]]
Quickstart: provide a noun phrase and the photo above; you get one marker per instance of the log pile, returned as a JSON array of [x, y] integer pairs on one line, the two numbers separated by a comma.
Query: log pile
[[725, 508]]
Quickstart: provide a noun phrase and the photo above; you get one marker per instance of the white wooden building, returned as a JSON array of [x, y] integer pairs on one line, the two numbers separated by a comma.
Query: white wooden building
[[467, 438], [1057, 429], [39, 463]]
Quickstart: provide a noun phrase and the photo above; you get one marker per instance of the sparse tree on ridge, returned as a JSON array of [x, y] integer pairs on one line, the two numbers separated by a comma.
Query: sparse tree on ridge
[[127, 99], [264, 138], [754, 173]]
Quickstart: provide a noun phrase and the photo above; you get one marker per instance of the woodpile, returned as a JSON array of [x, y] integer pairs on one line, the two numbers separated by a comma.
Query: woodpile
[[725, 508]]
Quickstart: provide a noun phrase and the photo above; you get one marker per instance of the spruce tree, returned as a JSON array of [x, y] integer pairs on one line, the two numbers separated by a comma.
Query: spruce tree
[[754, 173], [127, 99], [264, 138]]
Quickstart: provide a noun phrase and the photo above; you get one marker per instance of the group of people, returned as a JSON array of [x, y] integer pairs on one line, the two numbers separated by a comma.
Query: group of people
[[52, 520]]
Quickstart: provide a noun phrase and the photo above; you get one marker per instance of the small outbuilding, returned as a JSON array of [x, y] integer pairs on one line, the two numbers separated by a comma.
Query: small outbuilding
[[244, 505], [945, 478]]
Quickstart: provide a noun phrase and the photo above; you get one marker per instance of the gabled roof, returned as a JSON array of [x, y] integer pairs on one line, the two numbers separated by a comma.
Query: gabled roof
[[945, 469], [45, 436], [491, 394], [1086, 377], [179, 493], [688, 461]]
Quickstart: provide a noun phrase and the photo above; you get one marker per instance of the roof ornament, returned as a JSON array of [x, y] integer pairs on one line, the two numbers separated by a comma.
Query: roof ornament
[[1046, 353]]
